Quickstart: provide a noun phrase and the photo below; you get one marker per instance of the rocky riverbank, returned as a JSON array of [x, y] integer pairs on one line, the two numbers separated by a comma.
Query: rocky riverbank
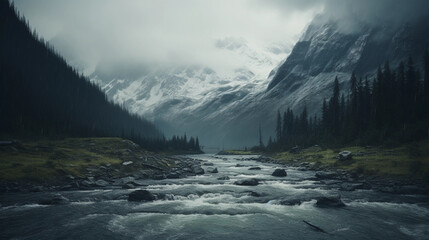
[[349, 180], [89, 163], [111, 176]]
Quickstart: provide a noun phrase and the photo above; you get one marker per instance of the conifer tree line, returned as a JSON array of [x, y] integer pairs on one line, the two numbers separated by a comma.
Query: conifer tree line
[[391, 108], [174, 144], [42, 96]]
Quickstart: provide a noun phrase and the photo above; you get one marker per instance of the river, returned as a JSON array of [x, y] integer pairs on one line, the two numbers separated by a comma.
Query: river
[[203, 207]]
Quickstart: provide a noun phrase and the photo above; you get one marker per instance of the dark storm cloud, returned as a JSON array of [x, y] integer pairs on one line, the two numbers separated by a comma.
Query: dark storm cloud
[[352, 14]]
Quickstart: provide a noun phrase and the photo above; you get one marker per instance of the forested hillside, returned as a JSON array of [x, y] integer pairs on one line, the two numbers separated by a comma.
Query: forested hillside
[[389, 109], [42, 96]]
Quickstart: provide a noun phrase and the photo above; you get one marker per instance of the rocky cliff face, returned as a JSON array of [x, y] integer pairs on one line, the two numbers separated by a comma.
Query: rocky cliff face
[[326, 51]]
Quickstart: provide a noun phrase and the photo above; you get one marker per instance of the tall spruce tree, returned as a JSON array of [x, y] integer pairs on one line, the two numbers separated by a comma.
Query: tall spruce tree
[[279, 127]]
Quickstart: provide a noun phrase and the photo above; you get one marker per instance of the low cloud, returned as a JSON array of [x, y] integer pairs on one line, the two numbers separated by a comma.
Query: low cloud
[[104, 34]]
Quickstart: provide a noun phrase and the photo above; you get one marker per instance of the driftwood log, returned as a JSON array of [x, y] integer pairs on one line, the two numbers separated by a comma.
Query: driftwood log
[[316, 228]]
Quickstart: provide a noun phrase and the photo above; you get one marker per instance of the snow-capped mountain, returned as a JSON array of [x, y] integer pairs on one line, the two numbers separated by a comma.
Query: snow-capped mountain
[[195, 99]]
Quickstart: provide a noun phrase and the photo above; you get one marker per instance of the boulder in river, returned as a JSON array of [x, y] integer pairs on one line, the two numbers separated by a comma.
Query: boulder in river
[[197, 169], [247, 182], [141, 195], [208, 164], [212, 170], [279, 172], [128, 186], [330, 202], [255, 168], [223, 178], [56, 199], [239, 165]]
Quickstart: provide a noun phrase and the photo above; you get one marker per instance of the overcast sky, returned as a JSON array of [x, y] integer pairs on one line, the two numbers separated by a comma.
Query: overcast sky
[[109, 32]]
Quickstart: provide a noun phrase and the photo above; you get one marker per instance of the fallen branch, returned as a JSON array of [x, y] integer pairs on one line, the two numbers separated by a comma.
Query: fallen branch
[[316, 228]]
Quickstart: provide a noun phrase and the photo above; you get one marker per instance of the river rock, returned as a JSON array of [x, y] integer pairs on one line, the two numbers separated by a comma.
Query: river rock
[[254, 168], [86, 183], [247, 182], [159, 177], [295, 149], [197, 169], [208, 164], [330, 202], [326, 175], [345, 155], [223, 178], [56, 199], [346, 186], [37, 189], [128, 186], [411, 189], [239, 165], [124, 180], [173, 175], [279, 173], [406, 189], [140, 195], [255, 194], [212, 170], [127, 163], [101, 183]]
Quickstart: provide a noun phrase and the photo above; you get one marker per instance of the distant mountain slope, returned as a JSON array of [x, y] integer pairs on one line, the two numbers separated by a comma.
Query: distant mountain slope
[[325, 51], [306, 77], [225, 110], [196, 99], [40, 95]]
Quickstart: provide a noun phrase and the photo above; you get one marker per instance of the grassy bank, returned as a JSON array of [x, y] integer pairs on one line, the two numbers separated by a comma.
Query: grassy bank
[[409, 160], [48, 159]]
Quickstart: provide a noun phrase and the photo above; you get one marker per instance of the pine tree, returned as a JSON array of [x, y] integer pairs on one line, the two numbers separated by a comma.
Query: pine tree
[[335, 108], [270, 142], [426, 83], [285, 123], [197, 145], [325, 114], [303, 121], [279, 127], [261, 143]]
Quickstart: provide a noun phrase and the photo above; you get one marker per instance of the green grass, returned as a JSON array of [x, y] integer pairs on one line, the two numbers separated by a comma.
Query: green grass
[[47, 159], [409, 160]]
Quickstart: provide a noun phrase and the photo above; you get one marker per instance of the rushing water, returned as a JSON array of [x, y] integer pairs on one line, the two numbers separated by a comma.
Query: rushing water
[[203, 207]]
